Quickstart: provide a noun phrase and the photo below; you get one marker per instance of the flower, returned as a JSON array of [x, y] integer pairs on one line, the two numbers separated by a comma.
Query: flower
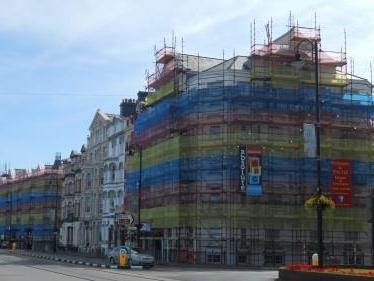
[[319, 200]]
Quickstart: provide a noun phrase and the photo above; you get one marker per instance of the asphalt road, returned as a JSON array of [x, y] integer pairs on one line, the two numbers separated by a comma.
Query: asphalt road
[[16, 268]]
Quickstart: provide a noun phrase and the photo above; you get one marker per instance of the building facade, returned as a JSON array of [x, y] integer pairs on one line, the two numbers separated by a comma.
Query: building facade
[[71, 201], [118, 133], [103, 179], [226, 156], [30, 207], [92, 180]]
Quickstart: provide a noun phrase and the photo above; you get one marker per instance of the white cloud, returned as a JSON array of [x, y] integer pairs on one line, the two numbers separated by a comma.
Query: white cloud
[[124, 30]]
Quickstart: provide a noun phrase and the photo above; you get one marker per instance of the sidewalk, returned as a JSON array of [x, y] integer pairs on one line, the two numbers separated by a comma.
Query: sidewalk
[[62, 257], [104, 263]]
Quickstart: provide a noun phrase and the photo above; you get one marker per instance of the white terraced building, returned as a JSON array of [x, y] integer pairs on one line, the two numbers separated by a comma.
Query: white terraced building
[[118, 133]]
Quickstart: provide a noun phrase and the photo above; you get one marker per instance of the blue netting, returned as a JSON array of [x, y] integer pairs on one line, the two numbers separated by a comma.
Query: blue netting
[[217, 169]]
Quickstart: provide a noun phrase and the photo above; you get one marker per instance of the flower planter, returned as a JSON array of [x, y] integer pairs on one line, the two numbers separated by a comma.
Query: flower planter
[[307, 273]]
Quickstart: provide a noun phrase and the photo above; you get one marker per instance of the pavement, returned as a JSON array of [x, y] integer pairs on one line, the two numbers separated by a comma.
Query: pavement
[[66, 258], [17, 266]]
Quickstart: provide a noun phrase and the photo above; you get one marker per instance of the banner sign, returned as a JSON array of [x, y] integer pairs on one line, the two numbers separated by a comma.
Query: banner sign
[[254, 178], [341, 187], [250, 170], [310, 145], [243, 168]]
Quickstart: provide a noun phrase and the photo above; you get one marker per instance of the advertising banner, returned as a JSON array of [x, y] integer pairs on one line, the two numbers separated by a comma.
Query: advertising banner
[[341, 187], [254, 171], [243, 167], [250, 170]]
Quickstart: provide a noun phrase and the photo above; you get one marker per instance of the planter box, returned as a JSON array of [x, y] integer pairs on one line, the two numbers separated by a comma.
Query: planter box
[[291, 275]]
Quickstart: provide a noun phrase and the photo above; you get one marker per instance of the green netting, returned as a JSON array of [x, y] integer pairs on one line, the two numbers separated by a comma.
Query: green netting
[[276, 145], [164, 91], [214, 215]]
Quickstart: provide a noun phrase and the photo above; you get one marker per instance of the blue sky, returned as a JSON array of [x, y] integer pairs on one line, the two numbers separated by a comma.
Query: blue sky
[[60, 60]]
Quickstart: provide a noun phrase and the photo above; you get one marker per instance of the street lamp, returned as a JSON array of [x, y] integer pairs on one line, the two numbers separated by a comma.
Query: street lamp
[[10, 214], [372, 224], [139, 225], [319, 207], [139, 191], [55, 216]]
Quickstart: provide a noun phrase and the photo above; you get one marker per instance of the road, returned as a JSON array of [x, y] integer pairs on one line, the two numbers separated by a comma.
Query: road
[[16, 268]]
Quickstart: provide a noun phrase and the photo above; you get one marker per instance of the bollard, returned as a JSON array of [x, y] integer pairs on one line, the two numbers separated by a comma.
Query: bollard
[[123, 260], [315, 260]]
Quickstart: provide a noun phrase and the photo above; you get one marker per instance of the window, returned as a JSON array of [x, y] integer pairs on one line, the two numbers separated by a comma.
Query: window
[[313, 235], [242, 259], [87, 204], [88, 181], [271, 234], [101, 176], [214, 130], [78, 186], [69, 211], [113, 172], [299, 235], [243, 237], [70, 188], [101, 206], [76, 209], [243, 233], [273, 258], [214, 258], [111, 201], [351, 236]]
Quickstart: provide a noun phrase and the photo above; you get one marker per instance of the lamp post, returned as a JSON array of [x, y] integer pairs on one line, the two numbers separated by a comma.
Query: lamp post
[[55, 217], [10, 214], [372, 225], [319, 208], [139, 225]]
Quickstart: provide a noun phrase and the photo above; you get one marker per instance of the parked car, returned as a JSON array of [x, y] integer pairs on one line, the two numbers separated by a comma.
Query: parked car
[[134, 257]]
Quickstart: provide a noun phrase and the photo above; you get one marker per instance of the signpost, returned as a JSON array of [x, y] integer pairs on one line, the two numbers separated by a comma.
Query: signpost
[[125, 219]]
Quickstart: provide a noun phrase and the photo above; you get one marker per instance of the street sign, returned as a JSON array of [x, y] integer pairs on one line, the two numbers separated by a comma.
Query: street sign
[[125, 219]]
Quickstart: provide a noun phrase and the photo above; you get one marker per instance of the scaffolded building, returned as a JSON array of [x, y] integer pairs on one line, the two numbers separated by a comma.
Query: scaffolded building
[[30, 208], [203, 115]]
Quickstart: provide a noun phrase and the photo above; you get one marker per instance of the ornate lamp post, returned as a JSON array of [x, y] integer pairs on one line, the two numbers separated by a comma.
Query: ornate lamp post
[[319, 201]]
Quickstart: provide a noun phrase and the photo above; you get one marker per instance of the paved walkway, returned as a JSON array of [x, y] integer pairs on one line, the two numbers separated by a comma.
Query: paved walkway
[[63, 257]]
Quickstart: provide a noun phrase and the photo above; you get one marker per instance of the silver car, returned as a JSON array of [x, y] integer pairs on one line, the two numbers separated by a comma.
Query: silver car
[[134, 257]]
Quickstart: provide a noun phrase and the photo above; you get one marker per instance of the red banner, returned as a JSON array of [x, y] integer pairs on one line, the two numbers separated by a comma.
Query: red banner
[[341, 187]]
